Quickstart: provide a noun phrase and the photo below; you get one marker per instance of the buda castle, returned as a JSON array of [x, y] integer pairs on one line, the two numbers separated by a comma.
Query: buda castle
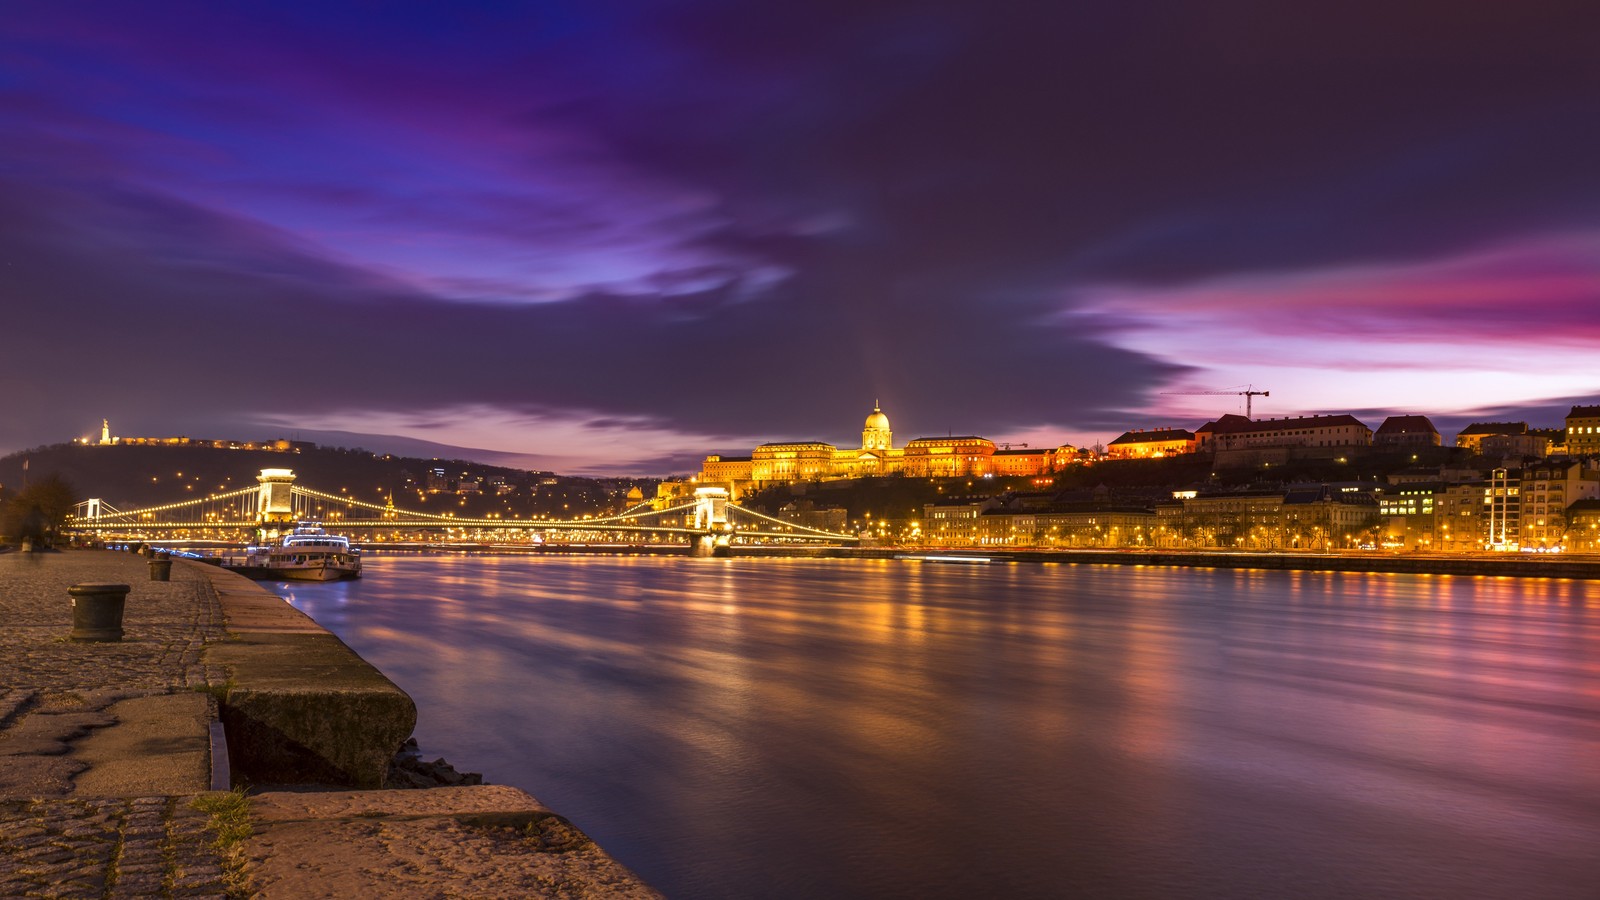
[[929, 457]]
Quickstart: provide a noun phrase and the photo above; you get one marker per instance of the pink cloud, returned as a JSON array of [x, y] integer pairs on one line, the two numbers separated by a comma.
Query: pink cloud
[[1504, 325], [1488, 296]]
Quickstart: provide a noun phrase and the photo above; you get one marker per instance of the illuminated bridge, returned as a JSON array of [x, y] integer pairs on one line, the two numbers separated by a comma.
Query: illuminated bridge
[[708, 522]]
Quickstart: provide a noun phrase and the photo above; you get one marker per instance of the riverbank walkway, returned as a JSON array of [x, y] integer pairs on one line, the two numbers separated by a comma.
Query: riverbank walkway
[[112, 769]]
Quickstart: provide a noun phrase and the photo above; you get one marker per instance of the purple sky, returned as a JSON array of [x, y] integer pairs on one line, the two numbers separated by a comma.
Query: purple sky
[[613, 237]]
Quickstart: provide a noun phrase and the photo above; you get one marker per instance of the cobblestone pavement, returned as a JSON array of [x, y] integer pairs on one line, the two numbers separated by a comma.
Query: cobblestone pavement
[[54, 691], [166, 623], [107, 847]]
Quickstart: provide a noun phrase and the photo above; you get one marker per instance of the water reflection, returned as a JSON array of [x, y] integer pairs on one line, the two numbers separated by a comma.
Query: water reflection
[[799, 728]]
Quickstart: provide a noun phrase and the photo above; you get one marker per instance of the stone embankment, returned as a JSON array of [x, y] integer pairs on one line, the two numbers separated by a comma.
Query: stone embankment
[[113, 765], [1509, 565]]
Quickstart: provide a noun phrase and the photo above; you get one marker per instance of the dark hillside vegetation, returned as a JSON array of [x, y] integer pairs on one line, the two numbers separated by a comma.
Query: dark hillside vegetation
[[129, 477]]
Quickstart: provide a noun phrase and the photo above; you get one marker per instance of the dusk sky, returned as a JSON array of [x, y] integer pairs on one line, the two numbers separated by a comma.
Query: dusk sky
[[608, 237]]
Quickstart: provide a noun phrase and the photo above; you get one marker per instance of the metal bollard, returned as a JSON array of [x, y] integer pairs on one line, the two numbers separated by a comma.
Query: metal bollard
[[161, 568], [97, 611]]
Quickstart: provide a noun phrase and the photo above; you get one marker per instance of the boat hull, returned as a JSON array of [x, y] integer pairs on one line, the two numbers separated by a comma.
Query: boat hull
[[294, 573]]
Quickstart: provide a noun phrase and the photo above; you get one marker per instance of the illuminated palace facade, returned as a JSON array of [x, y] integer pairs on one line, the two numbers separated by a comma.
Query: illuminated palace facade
[[953, 456]]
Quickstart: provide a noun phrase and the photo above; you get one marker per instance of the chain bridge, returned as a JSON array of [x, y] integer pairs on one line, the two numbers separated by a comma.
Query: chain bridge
[[710, 522]]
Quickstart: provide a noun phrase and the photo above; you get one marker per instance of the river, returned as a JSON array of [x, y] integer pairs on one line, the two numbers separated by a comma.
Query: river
[[864, 729]]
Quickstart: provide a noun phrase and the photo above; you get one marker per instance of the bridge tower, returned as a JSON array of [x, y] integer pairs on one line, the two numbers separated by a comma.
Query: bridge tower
[[711, 517], [275, 502]]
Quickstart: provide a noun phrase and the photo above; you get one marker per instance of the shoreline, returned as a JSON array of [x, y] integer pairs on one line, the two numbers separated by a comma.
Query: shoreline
[[311, 708], [1518, 566], [1511, 565], [140, 729], [1502, 565]]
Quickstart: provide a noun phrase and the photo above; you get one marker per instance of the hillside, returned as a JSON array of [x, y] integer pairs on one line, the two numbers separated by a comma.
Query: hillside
[[129, 477]]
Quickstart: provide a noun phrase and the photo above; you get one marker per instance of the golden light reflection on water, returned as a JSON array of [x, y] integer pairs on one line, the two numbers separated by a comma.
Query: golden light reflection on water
[[796, 728]]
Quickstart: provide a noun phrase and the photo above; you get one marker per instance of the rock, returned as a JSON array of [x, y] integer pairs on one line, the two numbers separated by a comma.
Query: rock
[[407, 770]]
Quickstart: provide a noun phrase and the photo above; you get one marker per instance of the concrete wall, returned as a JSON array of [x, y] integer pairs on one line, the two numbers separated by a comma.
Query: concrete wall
[[300, 707]]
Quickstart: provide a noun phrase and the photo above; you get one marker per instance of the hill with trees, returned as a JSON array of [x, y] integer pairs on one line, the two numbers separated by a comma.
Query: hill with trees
[[133, 476]]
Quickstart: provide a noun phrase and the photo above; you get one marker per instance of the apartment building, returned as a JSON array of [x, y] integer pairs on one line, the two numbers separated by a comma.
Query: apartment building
[[1472, 437], [1547, 490], [1233, 432], [1401, 432], [1153, 444], [1583, 430]]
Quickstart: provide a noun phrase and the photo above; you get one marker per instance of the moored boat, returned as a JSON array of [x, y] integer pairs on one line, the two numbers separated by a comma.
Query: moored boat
[[308, 553]]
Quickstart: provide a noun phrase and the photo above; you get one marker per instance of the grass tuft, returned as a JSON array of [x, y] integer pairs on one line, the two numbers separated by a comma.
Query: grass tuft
[[219, 691], [230, 827]]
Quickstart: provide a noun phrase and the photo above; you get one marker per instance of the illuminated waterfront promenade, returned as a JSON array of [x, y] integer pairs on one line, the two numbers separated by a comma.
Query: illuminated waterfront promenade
[[1514, 565]]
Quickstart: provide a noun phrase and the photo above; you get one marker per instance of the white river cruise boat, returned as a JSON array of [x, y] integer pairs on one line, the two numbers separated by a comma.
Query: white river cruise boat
[[308, 553]]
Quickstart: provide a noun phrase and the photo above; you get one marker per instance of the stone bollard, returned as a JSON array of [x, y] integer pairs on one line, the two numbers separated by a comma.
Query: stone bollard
[[27, 545], [97, 611], [161, 568]]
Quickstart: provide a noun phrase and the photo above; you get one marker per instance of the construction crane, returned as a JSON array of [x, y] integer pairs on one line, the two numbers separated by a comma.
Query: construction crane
[[1248, 394]]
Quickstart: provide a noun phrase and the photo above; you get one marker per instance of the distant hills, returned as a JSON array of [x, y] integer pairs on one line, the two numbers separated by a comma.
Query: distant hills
[[132, 476]]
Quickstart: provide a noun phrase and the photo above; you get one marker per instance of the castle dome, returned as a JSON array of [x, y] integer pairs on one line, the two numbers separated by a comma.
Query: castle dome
[[876, 435], [877, 421]]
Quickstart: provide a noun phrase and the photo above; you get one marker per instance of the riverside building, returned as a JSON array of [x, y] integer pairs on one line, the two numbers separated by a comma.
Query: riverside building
[[1583, 430], [1506, 434], [952, 456], [1153, 444], [1407, 431], [1232, 432]]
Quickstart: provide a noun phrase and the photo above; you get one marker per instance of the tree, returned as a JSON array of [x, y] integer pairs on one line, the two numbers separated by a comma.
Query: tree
[[39, 511]]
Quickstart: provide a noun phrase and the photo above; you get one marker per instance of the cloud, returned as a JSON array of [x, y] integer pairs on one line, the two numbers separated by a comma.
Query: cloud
[[1492, 326], [1490, 295], [186, 317], [1156, 142], [706, 224]]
